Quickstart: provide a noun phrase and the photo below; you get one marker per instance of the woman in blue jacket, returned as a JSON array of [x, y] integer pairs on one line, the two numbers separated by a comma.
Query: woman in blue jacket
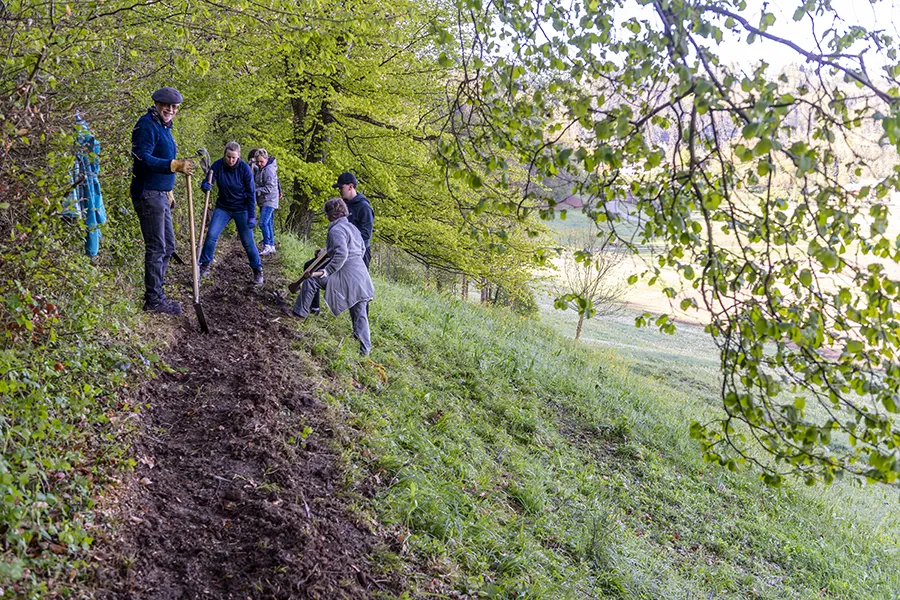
[[236, 200]]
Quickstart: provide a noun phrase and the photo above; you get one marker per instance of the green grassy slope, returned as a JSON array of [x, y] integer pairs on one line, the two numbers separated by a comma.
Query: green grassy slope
[[510, 462]]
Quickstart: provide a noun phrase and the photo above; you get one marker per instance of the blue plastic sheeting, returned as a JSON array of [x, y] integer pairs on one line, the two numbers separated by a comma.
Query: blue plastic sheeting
[[86, 200]]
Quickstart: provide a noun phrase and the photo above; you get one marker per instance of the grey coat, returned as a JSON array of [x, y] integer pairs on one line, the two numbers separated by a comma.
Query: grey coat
[[266, 180], [346, 275]]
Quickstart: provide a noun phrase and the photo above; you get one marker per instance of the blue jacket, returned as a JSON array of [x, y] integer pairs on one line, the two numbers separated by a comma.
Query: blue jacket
[[362, 215], [153, 149], [236, 188]]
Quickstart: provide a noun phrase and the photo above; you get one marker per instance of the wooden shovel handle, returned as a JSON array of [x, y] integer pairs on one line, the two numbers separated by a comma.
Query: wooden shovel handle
[[205, 211], [319, 261], [194, 267]]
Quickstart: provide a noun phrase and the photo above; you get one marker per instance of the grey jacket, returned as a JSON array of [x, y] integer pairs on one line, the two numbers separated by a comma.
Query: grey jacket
[[346, 275], [266, 180]]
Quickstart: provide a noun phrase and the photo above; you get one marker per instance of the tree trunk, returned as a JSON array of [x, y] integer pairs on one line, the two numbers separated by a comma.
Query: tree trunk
[[578, 328], [465, 287], [299, 218], [300, 214]]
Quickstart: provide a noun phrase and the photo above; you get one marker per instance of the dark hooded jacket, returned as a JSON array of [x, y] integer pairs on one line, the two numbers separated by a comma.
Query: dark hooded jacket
[[362, 216]]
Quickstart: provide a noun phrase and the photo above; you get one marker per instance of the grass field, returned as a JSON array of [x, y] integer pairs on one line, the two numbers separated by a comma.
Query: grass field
[[509, 462]]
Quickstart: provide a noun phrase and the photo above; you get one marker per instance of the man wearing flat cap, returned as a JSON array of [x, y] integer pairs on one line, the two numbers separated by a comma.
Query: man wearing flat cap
[[152, 179]]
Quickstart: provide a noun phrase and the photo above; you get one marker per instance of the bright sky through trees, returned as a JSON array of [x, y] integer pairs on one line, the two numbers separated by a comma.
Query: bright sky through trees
[[735, 50]]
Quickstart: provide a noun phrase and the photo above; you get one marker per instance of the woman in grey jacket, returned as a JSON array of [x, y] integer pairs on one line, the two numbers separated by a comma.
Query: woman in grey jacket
[[345, 278], [267, 191]]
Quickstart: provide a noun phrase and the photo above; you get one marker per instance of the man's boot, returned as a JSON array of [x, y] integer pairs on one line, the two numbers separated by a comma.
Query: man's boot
[[164, 306], [257, 277]]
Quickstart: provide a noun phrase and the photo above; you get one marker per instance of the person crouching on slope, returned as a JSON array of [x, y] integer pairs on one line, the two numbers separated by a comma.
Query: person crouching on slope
[[267, 188], [349, 285], [236, 200]]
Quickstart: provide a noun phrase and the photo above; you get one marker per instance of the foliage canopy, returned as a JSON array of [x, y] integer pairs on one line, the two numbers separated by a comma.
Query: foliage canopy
[[769, 192]]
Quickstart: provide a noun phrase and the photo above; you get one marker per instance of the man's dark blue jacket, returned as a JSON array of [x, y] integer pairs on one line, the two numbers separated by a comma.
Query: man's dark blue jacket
[[362, 215], [153, 149], [237, 191]]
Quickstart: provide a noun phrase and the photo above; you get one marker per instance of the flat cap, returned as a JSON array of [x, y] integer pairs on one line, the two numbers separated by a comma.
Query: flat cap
[[167, 95], [345, 178]]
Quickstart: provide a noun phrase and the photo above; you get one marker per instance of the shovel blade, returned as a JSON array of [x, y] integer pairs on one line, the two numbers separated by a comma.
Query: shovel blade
[[295, 287], [201, 318]]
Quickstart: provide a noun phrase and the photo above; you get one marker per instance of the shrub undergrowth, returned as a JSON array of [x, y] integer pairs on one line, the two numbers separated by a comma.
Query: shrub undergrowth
[[67, 346]]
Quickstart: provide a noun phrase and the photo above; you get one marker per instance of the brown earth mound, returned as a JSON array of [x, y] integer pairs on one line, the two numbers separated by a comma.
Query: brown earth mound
[[228, 500]]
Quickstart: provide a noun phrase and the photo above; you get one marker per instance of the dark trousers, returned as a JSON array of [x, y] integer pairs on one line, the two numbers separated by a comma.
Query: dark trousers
[[152, 208], [359, 312], [314, 304]]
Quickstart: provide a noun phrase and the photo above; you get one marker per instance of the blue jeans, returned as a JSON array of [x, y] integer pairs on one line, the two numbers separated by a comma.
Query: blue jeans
[[267, 225], [152, 208], [221, 218]]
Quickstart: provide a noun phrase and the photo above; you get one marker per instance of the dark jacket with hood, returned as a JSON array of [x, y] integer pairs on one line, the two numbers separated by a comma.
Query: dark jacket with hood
[[362, 216]]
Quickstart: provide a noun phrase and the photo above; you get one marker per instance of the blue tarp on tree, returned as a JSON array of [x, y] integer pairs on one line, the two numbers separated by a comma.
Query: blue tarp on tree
[[86, 200]]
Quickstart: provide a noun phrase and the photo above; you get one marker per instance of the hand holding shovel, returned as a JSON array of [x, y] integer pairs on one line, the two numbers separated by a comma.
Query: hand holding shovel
[[320, 261]]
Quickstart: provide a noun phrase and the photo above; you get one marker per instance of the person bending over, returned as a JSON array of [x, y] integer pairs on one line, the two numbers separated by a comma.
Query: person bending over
[[360, 215], [348, 283], [236, 200]]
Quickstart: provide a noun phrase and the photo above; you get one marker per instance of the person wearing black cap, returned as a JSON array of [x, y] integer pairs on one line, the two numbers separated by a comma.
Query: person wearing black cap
[[152, 179], [361, 213], [361, 216]]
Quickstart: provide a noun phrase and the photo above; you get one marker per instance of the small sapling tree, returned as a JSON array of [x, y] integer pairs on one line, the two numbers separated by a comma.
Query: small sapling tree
[[589, 283]]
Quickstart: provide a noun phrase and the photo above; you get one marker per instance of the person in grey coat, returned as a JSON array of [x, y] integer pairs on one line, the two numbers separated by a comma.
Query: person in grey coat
[[267, 191], [348, 283]]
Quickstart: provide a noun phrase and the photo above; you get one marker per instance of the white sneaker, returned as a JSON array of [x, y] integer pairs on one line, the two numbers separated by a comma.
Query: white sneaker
[[267, 250]]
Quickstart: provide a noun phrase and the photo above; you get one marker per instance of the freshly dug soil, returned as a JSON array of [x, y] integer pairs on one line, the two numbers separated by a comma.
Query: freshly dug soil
[[228, 500]]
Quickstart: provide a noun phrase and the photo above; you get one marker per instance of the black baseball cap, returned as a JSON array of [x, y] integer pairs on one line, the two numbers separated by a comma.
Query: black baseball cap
[[167, 95], [345, 178]]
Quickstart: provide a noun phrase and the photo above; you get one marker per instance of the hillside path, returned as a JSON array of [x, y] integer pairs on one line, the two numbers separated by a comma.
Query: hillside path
[[227, 499]]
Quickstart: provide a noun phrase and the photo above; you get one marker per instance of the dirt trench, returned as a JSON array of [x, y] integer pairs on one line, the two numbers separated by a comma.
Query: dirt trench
[[227, 499]]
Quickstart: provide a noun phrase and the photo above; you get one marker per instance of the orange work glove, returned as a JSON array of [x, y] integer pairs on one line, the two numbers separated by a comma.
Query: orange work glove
[[185, 166]]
